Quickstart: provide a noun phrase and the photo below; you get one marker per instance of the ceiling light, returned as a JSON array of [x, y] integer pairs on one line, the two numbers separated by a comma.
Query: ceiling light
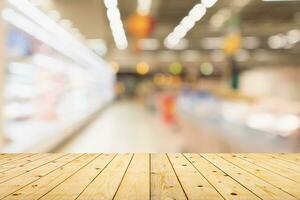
[[144, 7], [197, 12], [277, 41], [171, 41], [36, 23], [180, 45], [218, 19], [181, 30], [208, 3], [187, 23], [293, 36], [116, 25], [110, 3]]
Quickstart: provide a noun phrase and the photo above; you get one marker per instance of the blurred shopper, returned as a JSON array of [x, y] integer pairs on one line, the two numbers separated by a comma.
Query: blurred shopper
[[168, 109]]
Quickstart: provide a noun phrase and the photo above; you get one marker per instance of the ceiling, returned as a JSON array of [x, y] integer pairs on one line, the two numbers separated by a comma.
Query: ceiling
[[258, 18]]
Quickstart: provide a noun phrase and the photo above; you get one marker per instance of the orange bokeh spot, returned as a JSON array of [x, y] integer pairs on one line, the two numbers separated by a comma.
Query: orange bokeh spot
[[140, 26]]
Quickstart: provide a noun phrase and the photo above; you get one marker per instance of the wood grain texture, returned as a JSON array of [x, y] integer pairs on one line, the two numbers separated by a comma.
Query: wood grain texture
[[274, 166], [258, 186], [164, 183], [194, 184], [226, 185], [149, 176], [136, 182]]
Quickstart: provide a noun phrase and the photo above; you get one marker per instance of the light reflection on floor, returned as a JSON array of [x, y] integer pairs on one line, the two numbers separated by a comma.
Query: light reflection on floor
[[126, 126]]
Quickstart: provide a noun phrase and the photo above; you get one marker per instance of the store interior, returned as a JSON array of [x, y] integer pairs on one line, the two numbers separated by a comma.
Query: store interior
[[150, 76]]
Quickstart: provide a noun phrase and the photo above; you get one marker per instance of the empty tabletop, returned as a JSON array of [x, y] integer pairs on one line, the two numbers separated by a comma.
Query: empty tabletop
[[149, 176]]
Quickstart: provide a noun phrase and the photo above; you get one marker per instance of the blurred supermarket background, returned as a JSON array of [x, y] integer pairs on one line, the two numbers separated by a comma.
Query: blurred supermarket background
[[150, 75]]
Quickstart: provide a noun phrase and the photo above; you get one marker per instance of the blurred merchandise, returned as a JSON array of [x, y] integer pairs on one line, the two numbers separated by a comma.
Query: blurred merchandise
[[241, 120], [47, 92]]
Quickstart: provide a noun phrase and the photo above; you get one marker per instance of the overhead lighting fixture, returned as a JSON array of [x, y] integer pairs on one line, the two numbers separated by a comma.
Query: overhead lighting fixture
[[208, 3], [218, 19], [293, 36], [284, 41], [144, 7], [277, 41], [187, 23], [36, 23], [116, 25]]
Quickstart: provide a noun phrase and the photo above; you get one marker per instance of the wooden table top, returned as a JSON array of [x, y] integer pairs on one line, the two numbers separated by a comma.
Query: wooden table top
[[149, 176]]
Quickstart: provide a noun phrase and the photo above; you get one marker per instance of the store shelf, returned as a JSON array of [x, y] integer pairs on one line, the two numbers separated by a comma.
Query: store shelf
[[150, 176], [231, 124], [54, 83], [48, 137]]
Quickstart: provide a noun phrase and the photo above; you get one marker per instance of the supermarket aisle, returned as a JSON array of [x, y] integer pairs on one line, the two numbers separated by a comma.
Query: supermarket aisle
[[127, 126]]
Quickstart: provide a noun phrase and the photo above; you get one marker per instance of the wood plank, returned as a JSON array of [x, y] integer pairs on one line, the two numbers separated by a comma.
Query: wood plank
[[164, 183], [13, 157], [39, 188], [73, 186], [193, 183], [282, 183], [109, 180], [127, 176], [288, 173], [7, 175], [280, 162], [227, 186], [20, 162], [258, 186], [136, 182], [18, 182], [5, 155], [294, 158]]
